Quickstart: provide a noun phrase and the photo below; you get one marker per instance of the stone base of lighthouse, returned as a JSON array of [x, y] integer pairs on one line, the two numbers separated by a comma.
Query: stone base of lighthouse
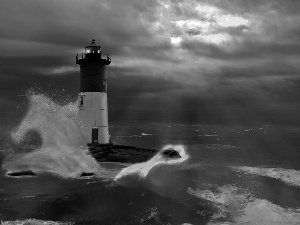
[[120, 153]]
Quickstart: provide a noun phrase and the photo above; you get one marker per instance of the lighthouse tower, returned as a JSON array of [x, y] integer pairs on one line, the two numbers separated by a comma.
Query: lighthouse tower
[[92, 102]]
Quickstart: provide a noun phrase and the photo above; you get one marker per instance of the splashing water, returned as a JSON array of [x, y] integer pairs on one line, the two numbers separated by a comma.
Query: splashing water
[[288, 176], [142, 169], [62, 151], [241, 208], [34, 222]]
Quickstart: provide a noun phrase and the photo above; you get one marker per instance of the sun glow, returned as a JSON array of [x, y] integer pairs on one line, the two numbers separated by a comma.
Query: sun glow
[[192, 24], [231, 21], [204, 22], [176, 40], [214, 38]]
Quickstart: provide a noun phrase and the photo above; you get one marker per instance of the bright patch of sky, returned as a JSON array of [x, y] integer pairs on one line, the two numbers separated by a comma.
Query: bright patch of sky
[[207, 11], [176, 40], [211, 13], [193, 24], [205, 23], [166, 6], [231, 21], [215, 38]]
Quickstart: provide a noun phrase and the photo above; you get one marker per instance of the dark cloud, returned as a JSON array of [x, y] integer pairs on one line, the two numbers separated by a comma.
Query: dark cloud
[[73, 23], [251, 76]]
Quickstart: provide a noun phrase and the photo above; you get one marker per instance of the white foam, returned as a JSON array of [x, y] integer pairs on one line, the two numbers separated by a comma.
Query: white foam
[[218, 146], [264, 212], [289, 176], [245, 210], [61, 152], [217, 198], [34, 222], [228, 199], [142, 169]]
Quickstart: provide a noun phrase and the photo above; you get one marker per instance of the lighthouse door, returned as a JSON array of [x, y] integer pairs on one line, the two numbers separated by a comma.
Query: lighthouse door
[[95, 135]]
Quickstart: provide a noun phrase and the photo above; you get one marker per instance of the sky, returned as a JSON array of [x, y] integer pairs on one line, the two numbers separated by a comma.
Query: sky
[[191, 62]]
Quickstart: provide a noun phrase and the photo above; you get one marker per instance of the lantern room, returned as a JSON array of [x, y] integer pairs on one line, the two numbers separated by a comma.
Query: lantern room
[[93, 54], [92, 48]]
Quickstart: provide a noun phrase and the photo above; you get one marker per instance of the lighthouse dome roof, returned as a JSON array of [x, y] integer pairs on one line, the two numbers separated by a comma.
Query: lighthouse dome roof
[[93, 44]]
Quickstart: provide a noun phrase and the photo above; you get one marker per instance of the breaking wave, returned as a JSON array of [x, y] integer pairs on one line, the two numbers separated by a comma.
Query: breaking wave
[[264, 212], [228, 200], [142, 169], [62, 151], [34, 222], [238, 207], [288, 176]]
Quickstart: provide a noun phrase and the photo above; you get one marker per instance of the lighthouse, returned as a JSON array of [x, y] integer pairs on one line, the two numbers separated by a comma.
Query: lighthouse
[[92, 100], [92, 111]]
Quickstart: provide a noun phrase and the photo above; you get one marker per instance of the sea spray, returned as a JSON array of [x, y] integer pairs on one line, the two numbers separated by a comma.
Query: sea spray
[[34, 222], [288, 176], [237, 206], [62, 151], [142, 169]]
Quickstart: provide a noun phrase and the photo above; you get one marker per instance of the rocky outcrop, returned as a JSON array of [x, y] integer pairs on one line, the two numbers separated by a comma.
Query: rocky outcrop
[[170, 153], [21, 173], [121, 153]]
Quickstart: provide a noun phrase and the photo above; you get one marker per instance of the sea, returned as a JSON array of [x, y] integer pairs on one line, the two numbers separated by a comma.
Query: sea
[[227, 174]]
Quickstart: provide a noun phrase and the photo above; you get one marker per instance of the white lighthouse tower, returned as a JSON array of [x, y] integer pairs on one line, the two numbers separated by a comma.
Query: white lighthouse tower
[[92, 108]]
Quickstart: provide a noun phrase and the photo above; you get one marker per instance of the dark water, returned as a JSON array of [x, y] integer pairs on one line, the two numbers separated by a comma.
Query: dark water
[[233, 175]]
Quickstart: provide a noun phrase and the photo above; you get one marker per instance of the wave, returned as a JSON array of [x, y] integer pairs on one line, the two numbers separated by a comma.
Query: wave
[[288, 176], [237, 207], [228, 200], [261, 211], [219, 146], [62, 151], [142, 169], [34, 222]]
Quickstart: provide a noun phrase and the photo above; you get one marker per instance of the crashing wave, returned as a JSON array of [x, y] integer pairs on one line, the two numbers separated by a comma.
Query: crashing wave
[[264, 212], [260, 212], [142, 169], [288, 176], [228, 199], [238, 208], [34, 222], [62, 150]]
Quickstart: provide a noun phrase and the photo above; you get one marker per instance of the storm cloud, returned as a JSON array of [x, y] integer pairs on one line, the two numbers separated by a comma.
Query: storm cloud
[[196, 61]]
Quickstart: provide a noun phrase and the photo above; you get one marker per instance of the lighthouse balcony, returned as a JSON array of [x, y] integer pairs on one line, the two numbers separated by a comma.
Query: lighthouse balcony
[[92, 58]]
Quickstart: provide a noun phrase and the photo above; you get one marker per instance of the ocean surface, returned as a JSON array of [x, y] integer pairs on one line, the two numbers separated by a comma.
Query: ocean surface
[[247, 174]]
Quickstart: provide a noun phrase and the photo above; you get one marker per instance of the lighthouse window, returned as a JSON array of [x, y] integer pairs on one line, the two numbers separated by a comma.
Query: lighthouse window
[[104, 84], [81, 101]]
